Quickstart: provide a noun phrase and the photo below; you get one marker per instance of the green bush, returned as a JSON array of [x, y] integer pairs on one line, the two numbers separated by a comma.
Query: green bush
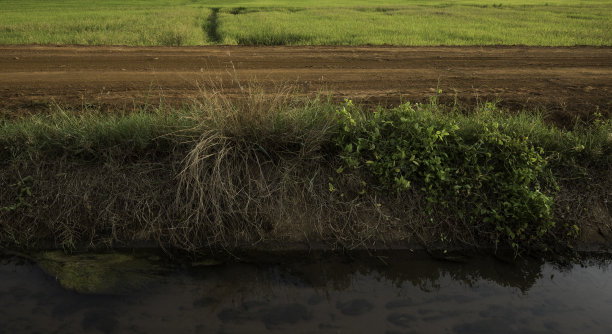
[[486, 174]]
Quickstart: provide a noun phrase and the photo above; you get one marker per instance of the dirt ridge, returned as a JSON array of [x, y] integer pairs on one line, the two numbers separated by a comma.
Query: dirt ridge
[[568, 81]]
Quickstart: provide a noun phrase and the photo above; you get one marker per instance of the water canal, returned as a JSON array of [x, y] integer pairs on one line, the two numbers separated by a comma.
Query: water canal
[[392, 293]]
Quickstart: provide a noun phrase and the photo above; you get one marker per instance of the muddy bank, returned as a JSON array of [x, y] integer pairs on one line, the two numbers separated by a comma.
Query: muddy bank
[[568, 82], [292, 172]]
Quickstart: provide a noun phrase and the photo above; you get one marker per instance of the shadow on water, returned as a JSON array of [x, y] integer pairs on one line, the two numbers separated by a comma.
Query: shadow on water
[[419, 270], [386, 293]]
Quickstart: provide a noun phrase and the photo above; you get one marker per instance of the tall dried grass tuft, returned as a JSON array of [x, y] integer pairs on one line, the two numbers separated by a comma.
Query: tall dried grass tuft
[[249, 170]]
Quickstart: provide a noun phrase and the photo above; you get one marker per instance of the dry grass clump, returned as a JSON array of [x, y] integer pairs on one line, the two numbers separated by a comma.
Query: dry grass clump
[[73, 205], [259, 171]]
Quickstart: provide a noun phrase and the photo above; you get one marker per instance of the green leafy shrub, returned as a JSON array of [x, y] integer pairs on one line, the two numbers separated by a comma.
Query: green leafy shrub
[[485, 174]]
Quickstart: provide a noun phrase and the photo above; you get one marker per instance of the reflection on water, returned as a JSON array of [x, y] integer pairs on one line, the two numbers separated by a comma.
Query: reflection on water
[[397, 293]]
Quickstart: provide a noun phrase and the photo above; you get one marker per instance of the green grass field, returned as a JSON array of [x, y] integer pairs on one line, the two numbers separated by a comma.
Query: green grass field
[[307, 22]]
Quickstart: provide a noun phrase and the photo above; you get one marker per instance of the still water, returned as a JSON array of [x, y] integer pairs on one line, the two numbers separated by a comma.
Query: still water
[[397, 293]]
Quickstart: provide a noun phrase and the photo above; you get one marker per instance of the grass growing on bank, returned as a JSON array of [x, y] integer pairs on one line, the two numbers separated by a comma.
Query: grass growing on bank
[[227, 172], [307, 22]]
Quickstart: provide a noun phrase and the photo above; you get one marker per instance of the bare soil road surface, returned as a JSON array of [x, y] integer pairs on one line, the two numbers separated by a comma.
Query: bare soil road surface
[[567, 81]]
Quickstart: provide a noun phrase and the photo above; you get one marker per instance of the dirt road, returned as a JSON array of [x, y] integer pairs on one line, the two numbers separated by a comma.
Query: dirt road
[[568, 81]]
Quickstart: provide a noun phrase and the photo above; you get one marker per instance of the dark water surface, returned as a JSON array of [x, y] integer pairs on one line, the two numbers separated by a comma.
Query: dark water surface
[[398, 294]]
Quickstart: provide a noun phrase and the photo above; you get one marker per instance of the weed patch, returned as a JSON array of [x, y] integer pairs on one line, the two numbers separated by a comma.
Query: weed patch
[[489, 177]]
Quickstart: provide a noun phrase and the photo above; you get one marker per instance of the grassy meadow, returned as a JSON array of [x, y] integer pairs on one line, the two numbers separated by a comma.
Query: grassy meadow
[[307, 22]]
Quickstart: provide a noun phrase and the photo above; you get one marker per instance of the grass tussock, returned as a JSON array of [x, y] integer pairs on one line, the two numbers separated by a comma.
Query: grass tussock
[[249, 164], [260, 167]]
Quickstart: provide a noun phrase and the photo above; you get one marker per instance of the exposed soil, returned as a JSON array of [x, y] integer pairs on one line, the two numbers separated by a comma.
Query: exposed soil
[[567, 81]]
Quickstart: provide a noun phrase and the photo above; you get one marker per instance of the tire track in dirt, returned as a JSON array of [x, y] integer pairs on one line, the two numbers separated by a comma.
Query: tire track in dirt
[[567, 81]]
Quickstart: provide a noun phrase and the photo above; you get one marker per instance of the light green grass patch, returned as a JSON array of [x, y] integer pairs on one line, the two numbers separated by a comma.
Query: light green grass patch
[[104, 24], [308, 22]]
